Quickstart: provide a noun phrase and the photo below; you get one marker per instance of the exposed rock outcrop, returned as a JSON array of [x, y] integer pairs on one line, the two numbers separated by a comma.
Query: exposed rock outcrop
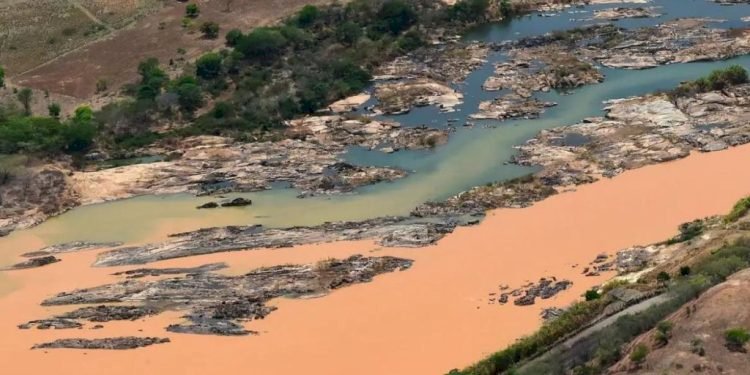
[[114, 343], [219, 304], [34, 263], [389, 231]]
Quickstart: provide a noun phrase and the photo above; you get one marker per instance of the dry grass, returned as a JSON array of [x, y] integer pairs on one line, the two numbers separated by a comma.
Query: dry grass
[[156, 32]]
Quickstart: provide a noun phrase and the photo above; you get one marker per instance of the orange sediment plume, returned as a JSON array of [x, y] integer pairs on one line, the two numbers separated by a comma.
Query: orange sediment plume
[[426, 320]]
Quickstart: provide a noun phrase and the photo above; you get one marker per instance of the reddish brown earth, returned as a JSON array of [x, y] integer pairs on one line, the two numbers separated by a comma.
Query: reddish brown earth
[[115, 57], [426, 320]]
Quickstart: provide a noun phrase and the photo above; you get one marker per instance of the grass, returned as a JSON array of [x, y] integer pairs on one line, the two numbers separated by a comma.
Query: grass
[[739, 210]]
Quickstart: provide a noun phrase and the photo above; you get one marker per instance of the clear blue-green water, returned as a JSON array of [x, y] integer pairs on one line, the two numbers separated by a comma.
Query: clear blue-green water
[[473, 156]]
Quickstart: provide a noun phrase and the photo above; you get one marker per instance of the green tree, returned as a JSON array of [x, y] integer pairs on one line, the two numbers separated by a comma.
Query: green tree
[[396, 16], [54, 110], [307, 16], [80, 132], [662, 277], [192, 10], [639, 354], [210, 30], [348, 33], [208, 66], [663, 332], [232, 37], [352, 76], [153, 79], [2, 77], [736, 338], [24, 96], [189, 94], [411, 40], [685, 270], [591, 295], [262, 44]]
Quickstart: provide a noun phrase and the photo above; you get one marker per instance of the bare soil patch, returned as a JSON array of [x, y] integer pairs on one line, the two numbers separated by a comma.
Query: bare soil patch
[[115, 57]]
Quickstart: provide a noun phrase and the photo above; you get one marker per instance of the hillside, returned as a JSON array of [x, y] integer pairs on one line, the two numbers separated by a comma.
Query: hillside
[[697, 342]]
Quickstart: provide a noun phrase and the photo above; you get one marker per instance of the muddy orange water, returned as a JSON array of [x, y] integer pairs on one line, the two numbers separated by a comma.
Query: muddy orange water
[[426, 320]]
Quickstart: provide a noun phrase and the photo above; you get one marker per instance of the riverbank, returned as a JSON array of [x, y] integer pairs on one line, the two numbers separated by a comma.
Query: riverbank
[[429, 319], [312, 160]]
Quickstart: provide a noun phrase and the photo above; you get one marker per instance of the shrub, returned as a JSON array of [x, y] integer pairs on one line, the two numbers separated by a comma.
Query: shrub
[[262, 44], [684, 270], [208, 66], [688, 231], [24, 96], [739, 210], [307, 16], [665, 327], [101, 85], [663, 277], [54, 110], [639, 354], [592, 295], [232, 37], [717, 80], [736, 338], [192, 10], [348, 33], [210, 30], [189, 94], [2, 77]]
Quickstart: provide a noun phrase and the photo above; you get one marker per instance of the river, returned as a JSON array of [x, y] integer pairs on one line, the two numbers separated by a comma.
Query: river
[[473, 156]]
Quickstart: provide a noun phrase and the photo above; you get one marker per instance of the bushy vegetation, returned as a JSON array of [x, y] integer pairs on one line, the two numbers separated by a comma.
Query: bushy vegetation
[[192, 10], [736, 338], [638, 355], [717, 80], [46, 135], [2, 77], [210, 29], [739, 210], [688, 231]]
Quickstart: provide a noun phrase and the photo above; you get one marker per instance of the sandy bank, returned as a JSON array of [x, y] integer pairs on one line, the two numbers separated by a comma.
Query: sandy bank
[[427, 320]]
